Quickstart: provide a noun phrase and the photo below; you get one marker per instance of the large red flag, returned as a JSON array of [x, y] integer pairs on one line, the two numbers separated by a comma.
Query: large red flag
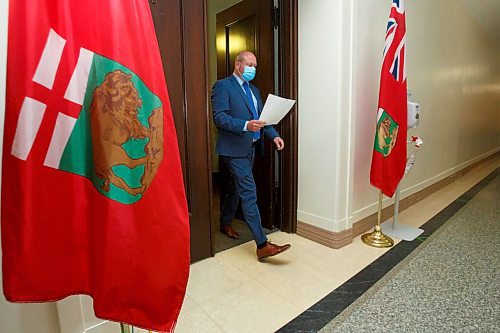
[[93, 199], [389, 151]]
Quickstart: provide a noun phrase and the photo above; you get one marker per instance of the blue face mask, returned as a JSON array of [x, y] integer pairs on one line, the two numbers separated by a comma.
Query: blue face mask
[[249, 73]]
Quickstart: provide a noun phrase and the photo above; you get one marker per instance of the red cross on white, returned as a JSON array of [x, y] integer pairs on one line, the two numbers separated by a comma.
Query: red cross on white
[[33, 109]]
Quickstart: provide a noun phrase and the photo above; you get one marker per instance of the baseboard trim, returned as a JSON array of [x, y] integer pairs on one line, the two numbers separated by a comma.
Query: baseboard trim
[[370, 221], [336, 240]]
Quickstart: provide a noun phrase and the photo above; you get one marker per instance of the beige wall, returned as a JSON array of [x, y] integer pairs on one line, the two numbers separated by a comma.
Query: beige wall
[[324, 113], [453, 72], [19, 318]]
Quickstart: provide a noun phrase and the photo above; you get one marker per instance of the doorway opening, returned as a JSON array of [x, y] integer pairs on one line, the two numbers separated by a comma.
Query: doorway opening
[[254, 25]]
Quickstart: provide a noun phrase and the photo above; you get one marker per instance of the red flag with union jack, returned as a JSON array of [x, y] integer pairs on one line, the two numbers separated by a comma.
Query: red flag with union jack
[[389, 152], [92, 191]]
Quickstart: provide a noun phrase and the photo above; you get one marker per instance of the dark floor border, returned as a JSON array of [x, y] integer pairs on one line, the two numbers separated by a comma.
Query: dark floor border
[[325, 310]]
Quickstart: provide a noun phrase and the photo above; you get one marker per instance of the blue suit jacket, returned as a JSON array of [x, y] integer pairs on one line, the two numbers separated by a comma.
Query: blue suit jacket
[[231, 109]]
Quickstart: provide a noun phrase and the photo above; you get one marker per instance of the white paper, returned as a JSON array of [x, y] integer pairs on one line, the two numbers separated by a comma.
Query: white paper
[[275, 109]]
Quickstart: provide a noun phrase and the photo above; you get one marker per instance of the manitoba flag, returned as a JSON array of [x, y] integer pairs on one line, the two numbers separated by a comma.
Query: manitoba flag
[[92, 194], [389, 151]]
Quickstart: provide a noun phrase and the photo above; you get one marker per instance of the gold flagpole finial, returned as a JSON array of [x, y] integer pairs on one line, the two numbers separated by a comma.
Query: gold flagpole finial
[[376, 238]]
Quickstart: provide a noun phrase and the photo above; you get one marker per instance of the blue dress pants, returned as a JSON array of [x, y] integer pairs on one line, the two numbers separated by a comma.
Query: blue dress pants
[[243, 189]]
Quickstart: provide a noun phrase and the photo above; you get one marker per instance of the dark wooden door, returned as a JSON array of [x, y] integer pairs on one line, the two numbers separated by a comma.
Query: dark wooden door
[[249, 25], [181, 32], [180, 28]]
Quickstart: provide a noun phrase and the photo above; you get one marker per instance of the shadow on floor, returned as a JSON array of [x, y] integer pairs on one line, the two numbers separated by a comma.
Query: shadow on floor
[[223, 243]]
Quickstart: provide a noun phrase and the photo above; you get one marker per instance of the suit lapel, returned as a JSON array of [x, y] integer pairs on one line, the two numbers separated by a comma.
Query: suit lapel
[[242, 93]]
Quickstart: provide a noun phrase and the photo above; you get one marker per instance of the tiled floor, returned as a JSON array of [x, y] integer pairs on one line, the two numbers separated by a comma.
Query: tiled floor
[[233, 292]]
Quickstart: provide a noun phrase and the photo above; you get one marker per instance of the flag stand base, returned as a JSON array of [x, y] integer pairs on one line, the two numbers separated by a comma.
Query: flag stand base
[[377, 238], [397, 230], [401, 231]]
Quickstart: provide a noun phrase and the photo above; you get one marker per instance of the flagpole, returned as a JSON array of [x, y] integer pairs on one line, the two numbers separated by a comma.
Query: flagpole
[[396, 208], [126, 328], [376, 238]]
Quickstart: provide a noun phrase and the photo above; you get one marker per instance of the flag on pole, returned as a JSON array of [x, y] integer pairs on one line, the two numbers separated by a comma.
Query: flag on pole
[[389, 151], [93, 199]]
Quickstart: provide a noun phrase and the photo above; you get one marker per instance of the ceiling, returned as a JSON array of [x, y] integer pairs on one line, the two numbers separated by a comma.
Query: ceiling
[[487, 15]]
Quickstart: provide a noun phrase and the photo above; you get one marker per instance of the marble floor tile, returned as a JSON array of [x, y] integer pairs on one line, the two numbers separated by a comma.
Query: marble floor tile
[[300, 246], [244, 259], [337, 265], [251, 308], [362, 251], [297, 282], [234, 292], [212, 277], [195, 320]]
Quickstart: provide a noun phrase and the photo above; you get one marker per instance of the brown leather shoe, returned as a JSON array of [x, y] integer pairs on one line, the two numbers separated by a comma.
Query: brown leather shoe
[[229, 231], [271, 250]]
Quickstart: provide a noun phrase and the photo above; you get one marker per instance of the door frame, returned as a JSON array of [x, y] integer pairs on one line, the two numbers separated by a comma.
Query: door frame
[[288, 87], [181, 28], [287, 20], [257, 16]]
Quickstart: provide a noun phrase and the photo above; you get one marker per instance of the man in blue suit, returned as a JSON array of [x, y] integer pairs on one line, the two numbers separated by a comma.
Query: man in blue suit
[[236, 106]]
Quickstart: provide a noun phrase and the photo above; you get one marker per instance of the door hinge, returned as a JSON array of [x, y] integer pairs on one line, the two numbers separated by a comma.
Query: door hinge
[[276, 170], [276, 17]]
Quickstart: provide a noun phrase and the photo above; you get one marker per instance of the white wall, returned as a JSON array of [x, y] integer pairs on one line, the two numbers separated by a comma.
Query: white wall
[[453, 72], [325, 135], [19, 318]]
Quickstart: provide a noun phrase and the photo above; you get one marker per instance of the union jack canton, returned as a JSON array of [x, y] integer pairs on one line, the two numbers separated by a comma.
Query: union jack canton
[[395, 41]]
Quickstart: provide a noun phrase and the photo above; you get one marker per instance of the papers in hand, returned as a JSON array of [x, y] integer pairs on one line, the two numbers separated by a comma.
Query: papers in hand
[[275, 109]]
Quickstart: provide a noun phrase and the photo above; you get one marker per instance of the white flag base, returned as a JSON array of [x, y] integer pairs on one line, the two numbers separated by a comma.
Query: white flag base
[[401, 231]]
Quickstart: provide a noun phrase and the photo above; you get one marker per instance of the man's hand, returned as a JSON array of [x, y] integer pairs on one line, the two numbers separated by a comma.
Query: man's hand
[[255, 125], [280, 144]]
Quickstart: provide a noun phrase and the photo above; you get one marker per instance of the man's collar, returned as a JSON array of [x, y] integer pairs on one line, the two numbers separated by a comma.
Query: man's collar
[[240, 81]]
